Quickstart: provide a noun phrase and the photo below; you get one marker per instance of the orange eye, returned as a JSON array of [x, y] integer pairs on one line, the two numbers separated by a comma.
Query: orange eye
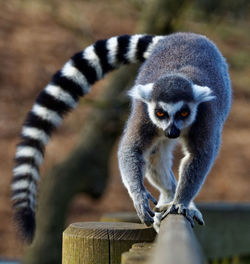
[[184, 113], [160, 113]]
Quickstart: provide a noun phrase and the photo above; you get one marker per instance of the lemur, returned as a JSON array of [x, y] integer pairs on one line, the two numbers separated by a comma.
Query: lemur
[[182, 94]]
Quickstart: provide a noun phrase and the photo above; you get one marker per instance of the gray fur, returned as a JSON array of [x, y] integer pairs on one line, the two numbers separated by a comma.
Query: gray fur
[[184, 81], [184, 69]]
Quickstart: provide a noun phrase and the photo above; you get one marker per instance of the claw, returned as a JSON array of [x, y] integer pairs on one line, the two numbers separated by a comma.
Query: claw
[[198, 217], [151, 197], [190, 219], [151, 213], [171, 210], [147, 220], [141, 203]]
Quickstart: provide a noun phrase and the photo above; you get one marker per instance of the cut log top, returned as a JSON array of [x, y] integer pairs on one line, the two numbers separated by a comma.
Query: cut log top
[[108, 230], [102, 242]]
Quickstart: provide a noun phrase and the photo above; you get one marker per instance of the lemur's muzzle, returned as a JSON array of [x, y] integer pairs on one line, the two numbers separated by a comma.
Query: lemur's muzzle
[[172, 132]]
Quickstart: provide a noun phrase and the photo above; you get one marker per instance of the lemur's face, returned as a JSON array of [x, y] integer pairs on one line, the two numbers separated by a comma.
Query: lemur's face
[[172, 102], [172, 118]]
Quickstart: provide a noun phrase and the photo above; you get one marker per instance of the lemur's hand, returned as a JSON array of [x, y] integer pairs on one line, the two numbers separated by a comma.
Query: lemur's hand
[[191, 212], [141, 203]]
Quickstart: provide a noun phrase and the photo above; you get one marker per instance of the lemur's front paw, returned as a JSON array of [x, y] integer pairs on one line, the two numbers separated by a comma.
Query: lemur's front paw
[[159, 212], [141, 203], [191, 212]]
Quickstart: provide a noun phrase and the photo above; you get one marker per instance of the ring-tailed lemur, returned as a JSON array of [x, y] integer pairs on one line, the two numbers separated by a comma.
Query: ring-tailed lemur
[[182, 92]]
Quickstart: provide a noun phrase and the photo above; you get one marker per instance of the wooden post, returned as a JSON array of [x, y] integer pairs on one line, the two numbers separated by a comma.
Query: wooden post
[[101, 242], [176, 243], [138, 254]]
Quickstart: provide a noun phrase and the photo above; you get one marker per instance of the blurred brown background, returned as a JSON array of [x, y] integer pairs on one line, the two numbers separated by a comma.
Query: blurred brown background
[[37, 37]]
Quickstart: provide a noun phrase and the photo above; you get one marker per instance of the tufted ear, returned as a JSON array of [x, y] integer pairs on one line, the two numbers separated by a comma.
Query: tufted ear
[[141, 92], [202, 93]]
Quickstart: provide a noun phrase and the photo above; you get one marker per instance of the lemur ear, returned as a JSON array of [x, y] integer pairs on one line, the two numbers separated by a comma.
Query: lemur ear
[[202, 93], [141, 92]]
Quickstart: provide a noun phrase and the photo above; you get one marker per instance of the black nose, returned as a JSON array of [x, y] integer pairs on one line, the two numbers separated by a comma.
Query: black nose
[[173, 132]]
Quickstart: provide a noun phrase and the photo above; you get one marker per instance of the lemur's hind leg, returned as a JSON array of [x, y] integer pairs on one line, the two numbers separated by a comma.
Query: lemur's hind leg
[[159, 174]]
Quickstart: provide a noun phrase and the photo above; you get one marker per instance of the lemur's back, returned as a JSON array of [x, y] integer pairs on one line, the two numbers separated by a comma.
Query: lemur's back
[[197, 58]]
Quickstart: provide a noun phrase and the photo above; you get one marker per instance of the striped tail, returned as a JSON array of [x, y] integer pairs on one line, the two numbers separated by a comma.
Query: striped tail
[[59, 97]]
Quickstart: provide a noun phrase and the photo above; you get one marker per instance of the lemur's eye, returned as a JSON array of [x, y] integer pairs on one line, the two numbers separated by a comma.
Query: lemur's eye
[[184, 113], [160, 113]]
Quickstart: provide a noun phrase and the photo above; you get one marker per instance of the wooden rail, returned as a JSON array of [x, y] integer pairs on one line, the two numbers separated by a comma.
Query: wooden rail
[[226, 231], [226, 235], [176, 243]]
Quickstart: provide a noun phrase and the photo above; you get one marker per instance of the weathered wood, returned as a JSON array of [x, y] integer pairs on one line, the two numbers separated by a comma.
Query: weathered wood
[[226, 231], [141, 248], [101, 242], [120, 217], [134, 258], [143, 245], [138, 254], [176, 243]]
